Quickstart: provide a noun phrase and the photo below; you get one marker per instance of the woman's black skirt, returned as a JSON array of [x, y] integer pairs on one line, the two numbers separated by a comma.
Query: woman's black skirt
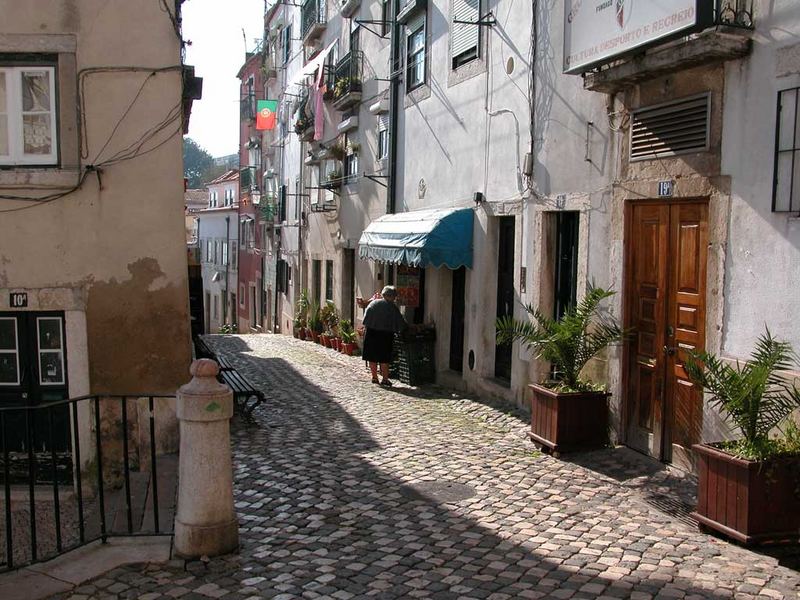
[[378, 345]]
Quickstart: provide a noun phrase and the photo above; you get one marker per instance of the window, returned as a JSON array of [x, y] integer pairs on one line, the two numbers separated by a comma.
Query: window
[[9, 352], [234, 255], [415, 53], [565, 283], [28, 116], [786, 181], [385, 16], [209, 251], [216, 306], [316, 280], [329, 280], [383, 136], [464, 37], [224, 254], [286, 43], [350, 159]]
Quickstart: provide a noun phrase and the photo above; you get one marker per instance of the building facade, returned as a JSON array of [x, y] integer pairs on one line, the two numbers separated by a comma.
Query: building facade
[[219, 247], [93, 274]]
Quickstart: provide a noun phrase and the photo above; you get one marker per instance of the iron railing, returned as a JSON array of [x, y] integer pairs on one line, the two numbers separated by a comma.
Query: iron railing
[[247, 107], [312, 13], [97, 492], [734, 13], [345, 76]]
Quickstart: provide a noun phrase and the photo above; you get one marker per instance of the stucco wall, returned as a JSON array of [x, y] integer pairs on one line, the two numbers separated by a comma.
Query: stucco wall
[[118, 240], [763, 253]]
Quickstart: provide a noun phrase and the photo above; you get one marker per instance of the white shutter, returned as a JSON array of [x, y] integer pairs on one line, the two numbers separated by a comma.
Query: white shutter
[[415, 22], [383, 122], [464, 37]]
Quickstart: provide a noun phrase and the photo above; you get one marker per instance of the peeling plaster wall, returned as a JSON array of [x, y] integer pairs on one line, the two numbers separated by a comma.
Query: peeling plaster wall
[[118, 241]]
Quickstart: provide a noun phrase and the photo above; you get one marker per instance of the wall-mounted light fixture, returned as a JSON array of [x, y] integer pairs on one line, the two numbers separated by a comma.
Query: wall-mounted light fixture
[[478, 198]]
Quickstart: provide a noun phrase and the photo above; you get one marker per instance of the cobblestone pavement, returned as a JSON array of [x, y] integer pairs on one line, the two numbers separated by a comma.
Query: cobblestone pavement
[[348, 490]]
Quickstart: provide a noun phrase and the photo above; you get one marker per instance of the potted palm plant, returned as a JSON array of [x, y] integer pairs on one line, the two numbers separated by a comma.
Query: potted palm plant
[[301, 315], [330, 321], [314, 322], [568, 412], [749, 488]]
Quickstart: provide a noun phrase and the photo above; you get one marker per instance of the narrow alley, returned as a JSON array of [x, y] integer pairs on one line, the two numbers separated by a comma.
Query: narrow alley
[[345, 489]]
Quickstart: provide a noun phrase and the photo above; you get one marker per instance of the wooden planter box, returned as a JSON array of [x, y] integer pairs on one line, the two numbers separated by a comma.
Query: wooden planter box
[[750, 501], [563, 422]]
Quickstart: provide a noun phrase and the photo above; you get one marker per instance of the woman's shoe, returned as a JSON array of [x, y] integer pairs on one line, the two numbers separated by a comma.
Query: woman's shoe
[[375, 380], [386, 383]]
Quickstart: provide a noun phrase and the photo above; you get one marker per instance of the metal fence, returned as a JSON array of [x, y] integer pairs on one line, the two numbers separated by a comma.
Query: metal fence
[[311, 13], [735, 13], [83, 469]]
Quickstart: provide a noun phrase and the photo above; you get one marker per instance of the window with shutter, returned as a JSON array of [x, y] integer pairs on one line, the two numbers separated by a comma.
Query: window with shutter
[[464, 37], [383, 136]]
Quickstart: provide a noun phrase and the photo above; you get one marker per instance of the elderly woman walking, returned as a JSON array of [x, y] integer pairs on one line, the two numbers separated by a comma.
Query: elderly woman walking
[[382, 320]]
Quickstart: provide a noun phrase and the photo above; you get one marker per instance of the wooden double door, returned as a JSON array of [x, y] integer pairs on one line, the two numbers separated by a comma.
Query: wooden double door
[[666, 263]]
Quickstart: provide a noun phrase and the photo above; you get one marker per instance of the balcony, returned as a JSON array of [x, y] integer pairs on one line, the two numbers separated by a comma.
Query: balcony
[[247, 107], [313, 20], [726, 38], [348, 7], [248, 180], [346, 81]]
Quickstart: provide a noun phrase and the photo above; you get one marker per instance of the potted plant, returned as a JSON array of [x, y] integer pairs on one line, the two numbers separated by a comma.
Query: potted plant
[[749, 488], [330, 321], [333, 179], [568, 412], [348, 335], [337, 151], [314, 322], [301, 315]]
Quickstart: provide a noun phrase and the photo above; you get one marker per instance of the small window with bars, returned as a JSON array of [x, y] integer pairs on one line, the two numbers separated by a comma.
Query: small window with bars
[[677, 127], [786, 181]]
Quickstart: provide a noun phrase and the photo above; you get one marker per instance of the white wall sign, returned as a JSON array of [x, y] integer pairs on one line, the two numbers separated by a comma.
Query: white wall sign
[[596, 31]]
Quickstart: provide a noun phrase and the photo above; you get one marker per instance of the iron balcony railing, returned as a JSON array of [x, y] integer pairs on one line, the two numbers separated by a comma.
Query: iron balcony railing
[[734, 13], [247, 107], [248, 179], [345, 76], [86, 468], [312, 13]]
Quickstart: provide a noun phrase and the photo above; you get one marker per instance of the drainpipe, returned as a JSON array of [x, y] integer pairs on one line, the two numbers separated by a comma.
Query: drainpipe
[[394, 109], [227, 266]]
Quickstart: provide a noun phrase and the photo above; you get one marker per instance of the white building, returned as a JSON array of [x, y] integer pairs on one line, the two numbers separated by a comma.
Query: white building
[[219, 244]]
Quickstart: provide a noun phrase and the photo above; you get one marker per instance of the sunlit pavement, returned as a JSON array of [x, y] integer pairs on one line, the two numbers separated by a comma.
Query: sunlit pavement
[[345, 489]]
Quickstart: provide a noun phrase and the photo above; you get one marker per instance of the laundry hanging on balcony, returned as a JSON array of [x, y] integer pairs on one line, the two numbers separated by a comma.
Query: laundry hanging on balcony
[[311, 66], [434, 237]]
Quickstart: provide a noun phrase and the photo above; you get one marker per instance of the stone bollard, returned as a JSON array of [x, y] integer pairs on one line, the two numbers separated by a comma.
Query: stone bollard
[[205, 524]]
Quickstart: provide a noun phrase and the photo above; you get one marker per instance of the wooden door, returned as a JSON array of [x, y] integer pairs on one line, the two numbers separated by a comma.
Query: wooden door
[[666, 254]]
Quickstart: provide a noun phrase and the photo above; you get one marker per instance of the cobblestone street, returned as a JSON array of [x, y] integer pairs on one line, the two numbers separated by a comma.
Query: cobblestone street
[[345, 489]]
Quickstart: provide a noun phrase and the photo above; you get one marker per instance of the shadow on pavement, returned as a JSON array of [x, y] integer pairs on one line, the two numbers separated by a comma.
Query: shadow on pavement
[[322, 509]]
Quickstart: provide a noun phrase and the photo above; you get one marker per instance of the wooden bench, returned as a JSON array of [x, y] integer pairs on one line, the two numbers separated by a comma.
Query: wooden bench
[[245, 396]]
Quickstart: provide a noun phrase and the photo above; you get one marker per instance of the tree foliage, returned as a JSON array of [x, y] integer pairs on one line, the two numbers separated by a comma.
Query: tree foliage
[[198, 165]]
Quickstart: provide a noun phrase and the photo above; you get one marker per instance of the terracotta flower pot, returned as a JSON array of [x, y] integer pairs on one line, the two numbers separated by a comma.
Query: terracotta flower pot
[[562, 422], [301, 333], [326, 340], [747, 500], [315, 337], [347, 348]]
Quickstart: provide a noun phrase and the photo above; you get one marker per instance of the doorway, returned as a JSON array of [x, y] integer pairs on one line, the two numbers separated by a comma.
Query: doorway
[[505, 293], [33, 371], [665, 292], [457, 312]]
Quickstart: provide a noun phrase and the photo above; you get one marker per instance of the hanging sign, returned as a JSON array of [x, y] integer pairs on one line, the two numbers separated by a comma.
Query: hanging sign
[[408, 286], [266, 117], [598, 31]]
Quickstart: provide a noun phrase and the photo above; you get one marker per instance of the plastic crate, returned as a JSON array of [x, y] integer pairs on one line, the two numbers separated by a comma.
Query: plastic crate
[[413, 361]]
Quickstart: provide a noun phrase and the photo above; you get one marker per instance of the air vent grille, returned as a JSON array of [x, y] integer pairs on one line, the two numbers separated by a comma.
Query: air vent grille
[[669, 129]]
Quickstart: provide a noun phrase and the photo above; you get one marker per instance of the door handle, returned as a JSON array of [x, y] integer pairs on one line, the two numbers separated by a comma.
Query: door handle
[[669, 351]]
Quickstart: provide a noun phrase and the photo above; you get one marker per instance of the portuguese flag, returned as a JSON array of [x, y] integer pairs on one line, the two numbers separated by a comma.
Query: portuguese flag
[[266, 114]]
